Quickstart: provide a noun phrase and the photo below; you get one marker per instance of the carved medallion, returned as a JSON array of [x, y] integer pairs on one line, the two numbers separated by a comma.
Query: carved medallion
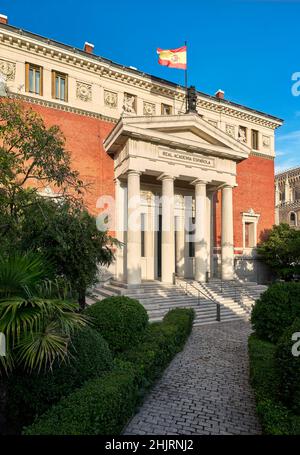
[[213, 123], [7, 70], [266, 141], [110, 99], [149, 108], [83, 91]]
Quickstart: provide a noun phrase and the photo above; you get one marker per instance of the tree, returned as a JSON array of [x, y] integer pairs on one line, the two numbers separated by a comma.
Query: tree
[[281, 250], [69, 237], [31, 157]]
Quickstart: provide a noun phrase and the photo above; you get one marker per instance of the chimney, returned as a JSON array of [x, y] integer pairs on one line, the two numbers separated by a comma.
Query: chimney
[[220, 94], [3, 19], [88, 47]]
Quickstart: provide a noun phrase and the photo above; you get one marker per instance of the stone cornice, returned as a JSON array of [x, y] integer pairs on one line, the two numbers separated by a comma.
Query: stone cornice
[[293, 176], [67, 55], [62, 107], [262, 155]]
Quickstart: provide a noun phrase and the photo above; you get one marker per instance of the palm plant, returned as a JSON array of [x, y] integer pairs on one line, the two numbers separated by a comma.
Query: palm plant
[[35, 316]]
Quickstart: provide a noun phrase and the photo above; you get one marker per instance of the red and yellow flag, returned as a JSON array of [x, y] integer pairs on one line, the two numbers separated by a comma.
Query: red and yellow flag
[[174, 58]]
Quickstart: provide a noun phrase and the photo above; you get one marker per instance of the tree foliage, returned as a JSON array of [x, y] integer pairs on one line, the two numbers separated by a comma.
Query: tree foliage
[[69, 236], [281, 250], [32, 156]]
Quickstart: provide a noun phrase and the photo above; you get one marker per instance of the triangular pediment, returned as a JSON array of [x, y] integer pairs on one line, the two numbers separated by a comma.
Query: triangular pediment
[[187, 132], [193, 134]]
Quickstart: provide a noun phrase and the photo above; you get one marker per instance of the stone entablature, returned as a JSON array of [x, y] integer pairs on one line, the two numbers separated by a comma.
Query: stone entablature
[[103, 87]]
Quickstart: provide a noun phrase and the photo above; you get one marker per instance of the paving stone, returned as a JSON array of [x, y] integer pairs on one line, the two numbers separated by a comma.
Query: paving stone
[[205, 389]]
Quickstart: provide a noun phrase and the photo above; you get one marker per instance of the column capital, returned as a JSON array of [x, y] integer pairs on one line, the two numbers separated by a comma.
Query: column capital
[[227, 186], [165, 177], [133, 172], [199, 182]]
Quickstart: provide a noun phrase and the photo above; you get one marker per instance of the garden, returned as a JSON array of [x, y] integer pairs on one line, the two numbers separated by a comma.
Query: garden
[[69, 368]]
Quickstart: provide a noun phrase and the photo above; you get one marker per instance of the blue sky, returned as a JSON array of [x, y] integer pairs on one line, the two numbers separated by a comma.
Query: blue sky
[[248, 48]]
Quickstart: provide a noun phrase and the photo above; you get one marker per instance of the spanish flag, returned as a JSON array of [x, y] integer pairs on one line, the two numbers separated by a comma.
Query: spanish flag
[[174, 58]]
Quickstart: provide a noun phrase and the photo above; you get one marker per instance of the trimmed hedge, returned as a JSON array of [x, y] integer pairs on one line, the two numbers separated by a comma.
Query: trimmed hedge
[[276, 310], [276, 419], [289, 369], [103, 406], [120, 320], [32, 395], [161, 342]]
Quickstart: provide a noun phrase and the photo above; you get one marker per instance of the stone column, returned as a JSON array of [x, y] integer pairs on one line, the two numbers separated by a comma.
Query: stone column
[[180, 245], [167, 235], [210, 233], [133, 229], [149, 240], [227, 234], [201, 231]]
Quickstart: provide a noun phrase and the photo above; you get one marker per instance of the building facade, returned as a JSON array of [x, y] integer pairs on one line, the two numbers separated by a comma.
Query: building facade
[[198, 186], [287, 197]]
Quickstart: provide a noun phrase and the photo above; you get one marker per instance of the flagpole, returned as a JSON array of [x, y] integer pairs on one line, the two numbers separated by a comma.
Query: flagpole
[[186, 81]]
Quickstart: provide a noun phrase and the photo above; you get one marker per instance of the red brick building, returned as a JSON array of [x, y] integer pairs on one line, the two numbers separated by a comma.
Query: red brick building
[[129, 135]]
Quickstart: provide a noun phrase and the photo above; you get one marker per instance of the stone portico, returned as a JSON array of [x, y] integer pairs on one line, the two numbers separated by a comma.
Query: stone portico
[[167, 171]]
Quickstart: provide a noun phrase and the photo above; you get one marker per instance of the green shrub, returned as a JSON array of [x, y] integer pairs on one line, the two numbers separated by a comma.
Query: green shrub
[[120, 320], [32, 395], [159, 345], [101, 407], [276, 419], [276, 310], [289, 369]]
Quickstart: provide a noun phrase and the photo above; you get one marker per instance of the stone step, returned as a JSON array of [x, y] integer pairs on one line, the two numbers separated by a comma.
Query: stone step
[[235, 299]]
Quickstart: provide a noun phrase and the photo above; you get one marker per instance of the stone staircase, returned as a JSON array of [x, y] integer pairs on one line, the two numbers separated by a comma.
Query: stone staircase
[[159, 298], [234, 293]]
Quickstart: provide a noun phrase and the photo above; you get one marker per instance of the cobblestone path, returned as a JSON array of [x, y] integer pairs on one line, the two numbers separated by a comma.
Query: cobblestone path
[[205, 390]]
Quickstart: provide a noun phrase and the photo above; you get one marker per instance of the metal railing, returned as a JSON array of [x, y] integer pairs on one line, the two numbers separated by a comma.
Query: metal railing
[[199, 293]]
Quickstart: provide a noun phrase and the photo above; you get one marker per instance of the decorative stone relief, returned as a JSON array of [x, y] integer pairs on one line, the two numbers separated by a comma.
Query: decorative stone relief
[[149, 108], [83, 91], [129, 103], [166, 109], [213, 123], [242, 135], [266, 141], [7, 70], [110, 99], [230, 130]]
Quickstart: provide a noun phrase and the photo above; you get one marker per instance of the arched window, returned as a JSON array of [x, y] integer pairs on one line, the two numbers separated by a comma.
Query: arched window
[[293, 219]]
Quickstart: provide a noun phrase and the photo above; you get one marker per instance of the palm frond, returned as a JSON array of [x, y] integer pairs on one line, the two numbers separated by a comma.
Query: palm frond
[[40, 350], [21, 273]]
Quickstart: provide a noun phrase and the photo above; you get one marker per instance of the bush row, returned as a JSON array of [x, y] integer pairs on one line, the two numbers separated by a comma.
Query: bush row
[[104, 405], [276, 310], [265, 376], [31, 395], [276, 318]]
